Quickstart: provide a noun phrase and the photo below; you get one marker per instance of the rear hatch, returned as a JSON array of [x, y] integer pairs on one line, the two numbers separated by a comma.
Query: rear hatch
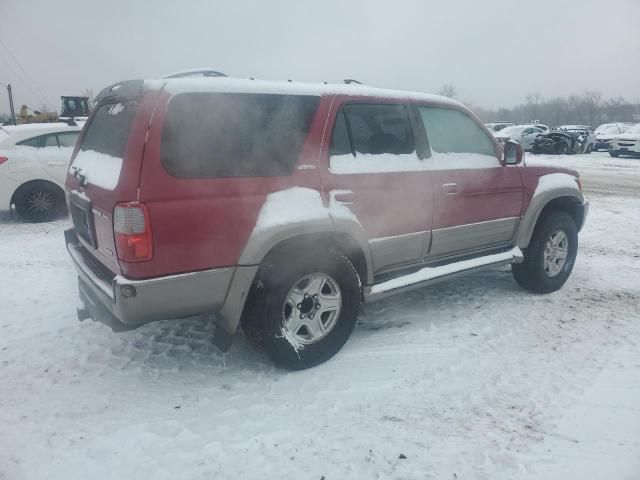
[[105, 167]]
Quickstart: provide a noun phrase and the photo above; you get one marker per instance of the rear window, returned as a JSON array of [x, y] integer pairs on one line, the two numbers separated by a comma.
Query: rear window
[[108, 131], [235, 134]]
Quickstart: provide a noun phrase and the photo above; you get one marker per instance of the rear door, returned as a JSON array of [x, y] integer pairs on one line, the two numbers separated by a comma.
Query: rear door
[[477, 200], [374, 168], [105, 168], [55, 154]]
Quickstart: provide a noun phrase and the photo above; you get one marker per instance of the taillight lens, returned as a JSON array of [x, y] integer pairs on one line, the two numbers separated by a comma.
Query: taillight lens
[[3, 159], [132, 229]]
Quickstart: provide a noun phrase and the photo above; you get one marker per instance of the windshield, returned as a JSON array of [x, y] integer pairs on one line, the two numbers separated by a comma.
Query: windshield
[[512, 130], [611, 129]]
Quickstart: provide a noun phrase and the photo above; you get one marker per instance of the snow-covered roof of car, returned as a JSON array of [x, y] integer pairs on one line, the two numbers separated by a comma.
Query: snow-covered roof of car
[[233, 85]]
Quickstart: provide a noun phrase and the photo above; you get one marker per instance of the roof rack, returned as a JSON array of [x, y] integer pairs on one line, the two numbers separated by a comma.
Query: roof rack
[[204, 72], [349, 81]]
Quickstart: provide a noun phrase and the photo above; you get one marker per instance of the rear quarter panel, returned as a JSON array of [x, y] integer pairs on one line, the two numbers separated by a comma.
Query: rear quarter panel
[[202, 223]]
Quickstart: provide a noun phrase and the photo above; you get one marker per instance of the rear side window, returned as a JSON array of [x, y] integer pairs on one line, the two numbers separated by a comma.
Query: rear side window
[[30, 142], [108, 131], [378, 129], [235, 134], [451, 131]]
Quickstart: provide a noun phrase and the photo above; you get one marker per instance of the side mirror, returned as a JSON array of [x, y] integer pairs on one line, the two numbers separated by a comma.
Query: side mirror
[[512, 153]]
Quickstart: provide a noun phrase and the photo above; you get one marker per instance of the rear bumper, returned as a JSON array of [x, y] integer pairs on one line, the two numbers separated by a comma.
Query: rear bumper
[[124, 304]]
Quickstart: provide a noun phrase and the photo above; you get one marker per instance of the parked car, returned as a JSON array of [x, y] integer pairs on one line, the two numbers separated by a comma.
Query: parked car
[[34, 160], [281, 207], [586, 135], [627, 143], [523, 134], [605, 133], [497, 126]]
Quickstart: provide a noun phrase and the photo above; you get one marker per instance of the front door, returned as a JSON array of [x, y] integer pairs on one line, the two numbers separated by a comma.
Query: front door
[[477, 200], [375, 169]]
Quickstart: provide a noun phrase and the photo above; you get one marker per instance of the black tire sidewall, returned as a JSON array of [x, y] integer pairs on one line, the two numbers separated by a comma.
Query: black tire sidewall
[[530, 274], [278, 280], [23, 209]]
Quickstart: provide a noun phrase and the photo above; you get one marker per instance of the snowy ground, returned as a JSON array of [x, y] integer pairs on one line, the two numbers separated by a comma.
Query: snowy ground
[[471, 379]]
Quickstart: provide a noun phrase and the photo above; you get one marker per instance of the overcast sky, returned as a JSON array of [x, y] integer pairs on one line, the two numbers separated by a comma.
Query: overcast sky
[[493, 52]]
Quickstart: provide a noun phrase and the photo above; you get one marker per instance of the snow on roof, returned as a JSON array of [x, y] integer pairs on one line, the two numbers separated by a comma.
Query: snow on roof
[[238, 85]]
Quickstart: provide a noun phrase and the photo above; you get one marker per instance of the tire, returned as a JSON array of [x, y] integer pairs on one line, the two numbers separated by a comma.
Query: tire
[[589, 149], [533, 273], [614, 154], [272, 315], [562, 148], [39, 201]]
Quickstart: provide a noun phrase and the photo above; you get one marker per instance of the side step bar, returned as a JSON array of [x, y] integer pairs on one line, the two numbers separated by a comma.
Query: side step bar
[[429, 275]]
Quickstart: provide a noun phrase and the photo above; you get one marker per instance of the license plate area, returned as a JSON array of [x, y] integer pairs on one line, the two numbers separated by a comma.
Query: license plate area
[[80, 210]]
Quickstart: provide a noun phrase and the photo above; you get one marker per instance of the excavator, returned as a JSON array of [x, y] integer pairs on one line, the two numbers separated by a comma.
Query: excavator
[[72, 108]]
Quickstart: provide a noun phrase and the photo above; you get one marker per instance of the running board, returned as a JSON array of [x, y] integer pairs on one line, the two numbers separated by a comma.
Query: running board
[[429, 275]]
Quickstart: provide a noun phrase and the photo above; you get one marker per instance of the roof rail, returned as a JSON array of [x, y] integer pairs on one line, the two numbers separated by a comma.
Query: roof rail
[[204, 72], [349, 81]]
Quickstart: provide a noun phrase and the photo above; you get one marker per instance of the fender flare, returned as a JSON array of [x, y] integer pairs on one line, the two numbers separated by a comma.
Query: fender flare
[[277, 223], [550, 187]]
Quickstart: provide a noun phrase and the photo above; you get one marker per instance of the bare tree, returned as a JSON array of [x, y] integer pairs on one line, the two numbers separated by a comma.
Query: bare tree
[[592, 100], [533, 99], [448, 90], [557, 106]]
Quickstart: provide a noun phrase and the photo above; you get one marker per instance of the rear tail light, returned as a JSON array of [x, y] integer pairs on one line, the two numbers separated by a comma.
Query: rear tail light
[[132, 229], [3, 159]]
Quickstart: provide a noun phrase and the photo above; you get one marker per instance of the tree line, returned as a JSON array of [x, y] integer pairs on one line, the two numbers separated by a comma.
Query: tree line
[[589, 108]]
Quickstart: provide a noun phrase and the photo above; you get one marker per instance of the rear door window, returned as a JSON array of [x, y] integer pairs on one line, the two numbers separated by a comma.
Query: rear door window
[[30, 142], [380, 140], [211, 135], [68, 139], [50, 141]]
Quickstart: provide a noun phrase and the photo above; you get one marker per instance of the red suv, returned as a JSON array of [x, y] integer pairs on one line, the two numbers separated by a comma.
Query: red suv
[[281, 206]]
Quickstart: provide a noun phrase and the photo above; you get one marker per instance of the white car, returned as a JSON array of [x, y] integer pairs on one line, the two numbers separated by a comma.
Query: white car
[[495, 127], [627, 143], [34, 160], [606, 132], [523, 134]]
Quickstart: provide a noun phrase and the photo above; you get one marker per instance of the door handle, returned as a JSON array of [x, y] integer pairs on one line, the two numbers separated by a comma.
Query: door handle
[[344, 197], [450, 188]]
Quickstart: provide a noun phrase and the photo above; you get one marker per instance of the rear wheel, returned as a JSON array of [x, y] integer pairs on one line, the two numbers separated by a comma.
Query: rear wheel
[[614, 154], [551, 254], [305, 309], [39, 201]]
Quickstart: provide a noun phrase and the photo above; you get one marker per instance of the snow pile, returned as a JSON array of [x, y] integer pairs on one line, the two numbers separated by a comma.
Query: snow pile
[[100, 169]]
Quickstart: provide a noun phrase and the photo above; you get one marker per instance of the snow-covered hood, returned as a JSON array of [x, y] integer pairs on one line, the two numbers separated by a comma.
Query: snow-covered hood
[[627, 136], [605, 136]]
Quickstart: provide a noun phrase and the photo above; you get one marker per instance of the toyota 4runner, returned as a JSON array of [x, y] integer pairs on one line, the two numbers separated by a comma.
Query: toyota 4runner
[[280, 207]]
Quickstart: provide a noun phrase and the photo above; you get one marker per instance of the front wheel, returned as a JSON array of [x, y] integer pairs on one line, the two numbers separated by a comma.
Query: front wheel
[[551, 254], [589, 148], [614, 154], [305, 309]]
